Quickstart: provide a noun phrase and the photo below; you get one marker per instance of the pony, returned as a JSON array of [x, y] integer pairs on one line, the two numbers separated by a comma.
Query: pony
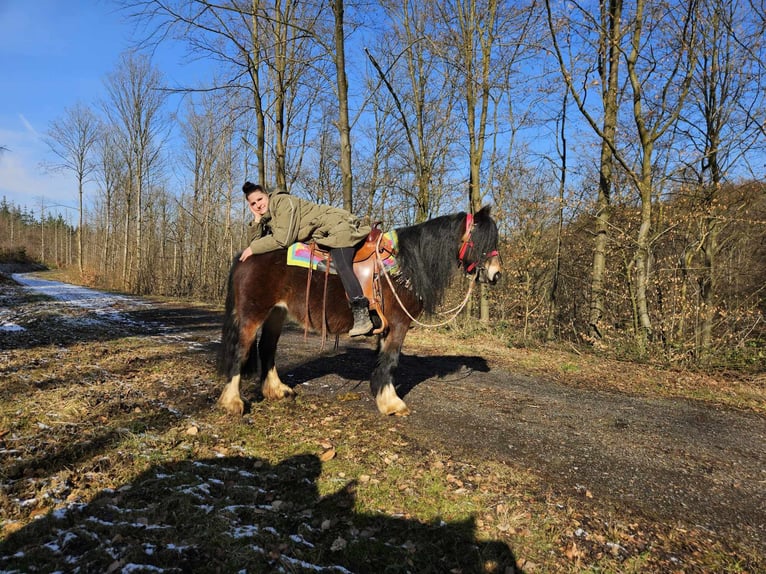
[[263, 290]]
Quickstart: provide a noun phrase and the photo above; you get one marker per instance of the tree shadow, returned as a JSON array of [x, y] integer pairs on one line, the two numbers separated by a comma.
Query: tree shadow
[[358, 363], [243, 514]]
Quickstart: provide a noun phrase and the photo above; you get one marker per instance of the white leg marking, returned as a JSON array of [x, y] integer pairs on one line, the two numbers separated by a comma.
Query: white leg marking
[[230, 399], [274, 388], [389, 402]]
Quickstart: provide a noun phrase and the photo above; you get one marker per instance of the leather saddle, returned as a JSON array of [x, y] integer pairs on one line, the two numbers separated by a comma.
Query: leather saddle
[[366, 270]]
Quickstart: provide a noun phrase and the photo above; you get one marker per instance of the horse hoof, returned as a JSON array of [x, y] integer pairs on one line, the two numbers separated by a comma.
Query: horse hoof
[[390, 404], [233, 407], [283, 392]]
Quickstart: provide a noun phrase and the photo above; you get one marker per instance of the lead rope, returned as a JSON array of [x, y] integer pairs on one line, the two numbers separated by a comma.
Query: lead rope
[[457, 309]]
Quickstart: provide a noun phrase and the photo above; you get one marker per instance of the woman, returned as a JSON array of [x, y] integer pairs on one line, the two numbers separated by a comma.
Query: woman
[[280, 219]]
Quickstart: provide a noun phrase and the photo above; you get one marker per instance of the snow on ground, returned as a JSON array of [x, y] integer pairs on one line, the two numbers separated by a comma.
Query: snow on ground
[[105, 305], [100, 306], [9, 326]]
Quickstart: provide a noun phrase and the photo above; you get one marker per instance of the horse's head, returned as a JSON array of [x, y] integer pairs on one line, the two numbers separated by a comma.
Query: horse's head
[[478, 250]]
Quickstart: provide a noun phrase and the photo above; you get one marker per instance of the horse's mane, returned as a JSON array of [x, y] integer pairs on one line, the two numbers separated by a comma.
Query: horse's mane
[[428, 252]]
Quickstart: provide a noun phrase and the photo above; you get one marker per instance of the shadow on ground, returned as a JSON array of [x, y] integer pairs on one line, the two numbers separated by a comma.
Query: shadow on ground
[[357, 364], [243, 514]]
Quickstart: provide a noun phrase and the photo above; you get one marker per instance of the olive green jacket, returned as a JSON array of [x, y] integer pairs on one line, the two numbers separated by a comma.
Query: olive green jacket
[[290, 219]]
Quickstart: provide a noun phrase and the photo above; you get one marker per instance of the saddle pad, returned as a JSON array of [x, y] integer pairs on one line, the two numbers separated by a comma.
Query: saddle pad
[[299, 255]]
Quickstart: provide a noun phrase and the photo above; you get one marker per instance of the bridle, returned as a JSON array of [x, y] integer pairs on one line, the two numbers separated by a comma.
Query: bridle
[[466, 244]]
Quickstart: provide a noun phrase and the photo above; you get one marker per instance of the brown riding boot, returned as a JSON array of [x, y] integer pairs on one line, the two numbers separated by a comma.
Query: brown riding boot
[[362, 324]]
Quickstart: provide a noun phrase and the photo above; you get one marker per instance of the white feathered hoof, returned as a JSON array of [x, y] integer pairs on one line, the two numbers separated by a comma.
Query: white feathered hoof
[[274, 389], [230, 400], [389, 402]]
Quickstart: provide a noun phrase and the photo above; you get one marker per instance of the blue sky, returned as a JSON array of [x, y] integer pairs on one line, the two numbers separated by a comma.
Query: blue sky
[[53, 54]]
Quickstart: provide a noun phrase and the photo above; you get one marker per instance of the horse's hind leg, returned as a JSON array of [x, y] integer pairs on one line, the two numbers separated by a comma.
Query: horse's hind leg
[[271, 385], [382, 380]]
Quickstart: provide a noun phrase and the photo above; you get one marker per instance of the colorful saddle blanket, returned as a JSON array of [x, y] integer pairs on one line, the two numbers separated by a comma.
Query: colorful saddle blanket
[[299, 254]]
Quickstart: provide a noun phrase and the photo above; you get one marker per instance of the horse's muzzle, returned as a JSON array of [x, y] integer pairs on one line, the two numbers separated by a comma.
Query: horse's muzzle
[[491, 271]]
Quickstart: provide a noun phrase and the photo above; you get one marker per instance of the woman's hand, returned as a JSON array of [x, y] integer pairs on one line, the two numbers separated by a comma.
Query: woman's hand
[[245, 254]]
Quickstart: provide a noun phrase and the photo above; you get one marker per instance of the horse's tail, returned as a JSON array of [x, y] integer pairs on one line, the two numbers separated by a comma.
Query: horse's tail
[[230, 362]]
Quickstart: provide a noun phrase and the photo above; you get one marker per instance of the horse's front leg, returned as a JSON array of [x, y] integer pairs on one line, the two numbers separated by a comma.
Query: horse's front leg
[[271, 385], [382, 379], [230, 399]]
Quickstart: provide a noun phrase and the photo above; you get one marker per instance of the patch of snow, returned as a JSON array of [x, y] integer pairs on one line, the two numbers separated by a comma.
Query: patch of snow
[[184, 548], [140, 568], [149, 549], [245, 531], [314, 567], [60, 513], [68, 536], [100, 521], [105, 306], [10, 327], [300, 540]]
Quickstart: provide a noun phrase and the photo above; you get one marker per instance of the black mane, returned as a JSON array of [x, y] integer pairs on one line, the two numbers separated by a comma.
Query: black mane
[[428, 252]]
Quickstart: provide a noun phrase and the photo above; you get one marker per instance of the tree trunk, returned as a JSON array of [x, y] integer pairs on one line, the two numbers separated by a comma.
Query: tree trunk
[[79, 227], [643, 261], [344, 127]]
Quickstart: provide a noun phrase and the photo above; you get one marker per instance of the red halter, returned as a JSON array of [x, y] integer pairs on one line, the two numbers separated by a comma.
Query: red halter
[[467, 242]]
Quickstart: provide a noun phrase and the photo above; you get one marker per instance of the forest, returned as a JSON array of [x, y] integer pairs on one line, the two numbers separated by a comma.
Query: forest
[[621, 146]]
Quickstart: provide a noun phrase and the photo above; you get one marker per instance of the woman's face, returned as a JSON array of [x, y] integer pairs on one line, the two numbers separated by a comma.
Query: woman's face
[[258, 203]]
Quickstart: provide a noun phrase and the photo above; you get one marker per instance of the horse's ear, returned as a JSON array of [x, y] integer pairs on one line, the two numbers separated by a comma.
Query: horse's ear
[[483, 213]]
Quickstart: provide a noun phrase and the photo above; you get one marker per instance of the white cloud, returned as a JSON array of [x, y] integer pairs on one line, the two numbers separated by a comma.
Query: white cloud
[[30, 127]]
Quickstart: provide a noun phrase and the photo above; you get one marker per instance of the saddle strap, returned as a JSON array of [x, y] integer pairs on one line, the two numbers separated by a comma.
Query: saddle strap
[[307, 322]]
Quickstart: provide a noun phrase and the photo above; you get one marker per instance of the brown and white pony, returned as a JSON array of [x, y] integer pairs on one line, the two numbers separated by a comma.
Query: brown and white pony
[[263, 289]]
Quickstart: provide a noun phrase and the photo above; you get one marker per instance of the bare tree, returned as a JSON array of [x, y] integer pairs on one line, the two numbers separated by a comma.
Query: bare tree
[[71, 138], [134, 108], [424, 101], [722, 123], [209, 159], [654, 114], [259, 44], [234, 36], [609, 35], [110, 174], [482, 39], [658, 45]]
